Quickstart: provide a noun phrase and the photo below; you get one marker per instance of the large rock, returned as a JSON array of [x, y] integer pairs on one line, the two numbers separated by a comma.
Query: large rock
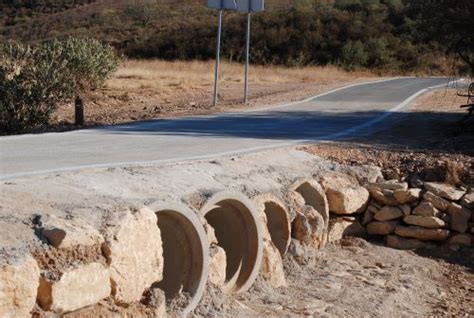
[[388, 185], [68, 234], [365, 173], [381, 228], [421, 233], [342, 227], [272, 265], [444, 190], [461, 239], [388, 213], [19, 282], [430, 222], [344, 195], [458, 217], [385, 197], [401, 243], [407, 196], [426, 208], [134, 252], [217, 265], [468, 200], [308, 227], [78, 287], [437, 201]]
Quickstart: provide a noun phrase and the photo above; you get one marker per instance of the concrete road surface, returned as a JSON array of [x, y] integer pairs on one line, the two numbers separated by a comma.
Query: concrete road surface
[[342, 113]]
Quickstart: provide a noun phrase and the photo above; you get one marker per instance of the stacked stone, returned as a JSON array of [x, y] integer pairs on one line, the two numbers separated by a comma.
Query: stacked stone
[[413, 218]]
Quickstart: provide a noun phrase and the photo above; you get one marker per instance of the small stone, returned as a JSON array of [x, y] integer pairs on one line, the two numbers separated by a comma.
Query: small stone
[[421, 233], [406, 209], [78, 287], [468, 200], [407, 196], [368, 217], [426, 208], [430, 222], [458, 217], [308, 227], [381, 228], [344, 195], [444, 190], [342, 227], [388, 213], [388, 185], [461, 239], [217, 265], [437, 201], [384, 197], [373, 209], [18, 286], [401, 243]]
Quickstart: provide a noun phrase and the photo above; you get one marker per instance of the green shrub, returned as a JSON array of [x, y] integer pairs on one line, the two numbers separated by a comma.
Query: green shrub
[[353, 55], [35, 80]]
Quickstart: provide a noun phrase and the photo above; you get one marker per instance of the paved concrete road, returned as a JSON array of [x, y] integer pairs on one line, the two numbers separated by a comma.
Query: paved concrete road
[[342, 113]]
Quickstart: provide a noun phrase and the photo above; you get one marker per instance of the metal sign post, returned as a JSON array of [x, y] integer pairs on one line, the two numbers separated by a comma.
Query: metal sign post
[[247, 6], [218, 57]]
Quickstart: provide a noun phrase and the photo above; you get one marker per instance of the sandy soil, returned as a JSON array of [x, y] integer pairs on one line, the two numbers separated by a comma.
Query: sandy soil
[[359, 279]]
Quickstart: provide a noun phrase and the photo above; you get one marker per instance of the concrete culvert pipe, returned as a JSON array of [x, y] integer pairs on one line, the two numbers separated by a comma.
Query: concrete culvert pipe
[[314, 196], [185, 253], [237, 227], [277, 220]]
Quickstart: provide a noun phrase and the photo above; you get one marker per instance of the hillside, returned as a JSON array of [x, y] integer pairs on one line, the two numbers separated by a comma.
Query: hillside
[[380, 34]]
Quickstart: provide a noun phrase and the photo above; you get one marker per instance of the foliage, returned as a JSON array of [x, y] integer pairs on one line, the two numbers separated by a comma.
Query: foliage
[[35, 80]]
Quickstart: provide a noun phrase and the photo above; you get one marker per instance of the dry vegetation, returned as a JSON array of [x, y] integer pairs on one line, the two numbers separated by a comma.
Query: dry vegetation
[[145, 89]]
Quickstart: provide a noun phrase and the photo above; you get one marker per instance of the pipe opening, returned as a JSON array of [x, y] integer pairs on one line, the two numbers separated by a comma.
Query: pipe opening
[[237, 232], [314, 198], [185, 256], [278, 226]]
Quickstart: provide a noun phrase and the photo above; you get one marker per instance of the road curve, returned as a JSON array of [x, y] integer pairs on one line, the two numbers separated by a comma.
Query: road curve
[[341, 113]]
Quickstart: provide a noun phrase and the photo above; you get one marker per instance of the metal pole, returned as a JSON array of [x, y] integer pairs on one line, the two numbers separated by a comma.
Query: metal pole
[[218, 58], [247, 59]]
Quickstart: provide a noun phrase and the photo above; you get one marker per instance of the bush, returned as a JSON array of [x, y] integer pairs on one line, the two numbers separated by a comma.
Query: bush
[[353, 55], [35, 80]]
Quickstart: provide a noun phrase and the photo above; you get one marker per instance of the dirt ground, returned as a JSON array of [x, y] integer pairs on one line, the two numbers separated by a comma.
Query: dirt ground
[[359, 279]]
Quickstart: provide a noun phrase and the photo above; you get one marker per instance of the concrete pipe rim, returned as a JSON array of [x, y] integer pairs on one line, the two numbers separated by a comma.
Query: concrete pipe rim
[[262, 201], [318, 189], [186, 213], [230, 196]]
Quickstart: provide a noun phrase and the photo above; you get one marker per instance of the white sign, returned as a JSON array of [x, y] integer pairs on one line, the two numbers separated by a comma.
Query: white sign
[[239, 5]]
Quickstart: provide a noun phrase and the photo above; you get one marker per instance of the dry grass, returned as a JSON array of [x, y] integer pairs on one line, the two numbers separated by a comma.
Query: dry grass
[[165, 77]]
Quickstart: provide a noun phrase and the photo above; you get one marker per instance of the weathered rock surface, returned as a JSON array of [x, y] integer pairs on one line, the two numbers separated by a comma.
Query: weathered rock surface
[[156, 299], [67, 234], [430, 222], [381, 228], [368, 217], [366, 173], [308, 227], [407, 196], [341, 227], [388, 213], [421, 233], [461, 239], [458, 217], [388, 185], [406, 209], [437, 201], [468, 200], [78, 287], [385, 197], [401, 243], [217, 265], [18, 286], [272, 265], [426, 208], [444, 190], [134, 252], [344, 195]]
